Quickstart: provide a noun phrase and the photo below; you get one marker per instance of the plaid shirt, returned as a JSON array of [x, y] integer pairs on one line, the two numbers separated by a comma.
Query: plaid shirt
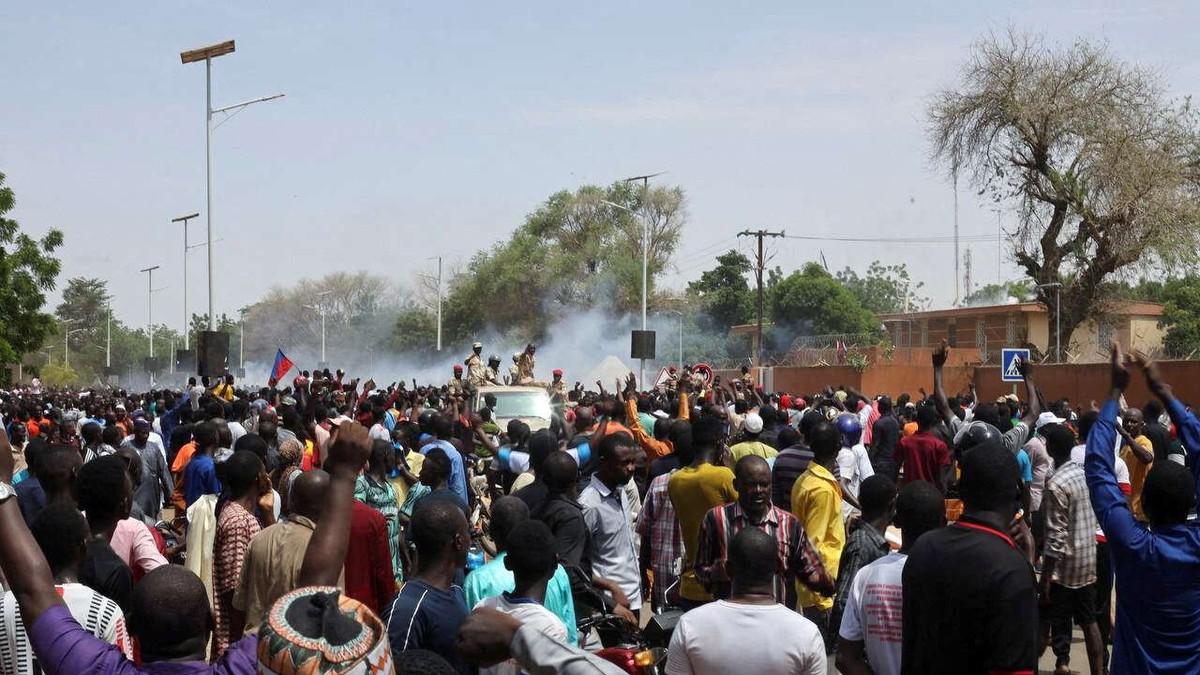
[[1070, 527], [797, 557], [658, 525]]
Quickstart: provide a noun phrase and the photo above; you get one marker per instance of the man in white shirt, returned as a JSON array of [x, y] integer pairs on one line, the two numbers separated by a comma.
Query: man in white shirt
[[854, 464], [62, 534], [532, 559], [750, 632], [871, 632]]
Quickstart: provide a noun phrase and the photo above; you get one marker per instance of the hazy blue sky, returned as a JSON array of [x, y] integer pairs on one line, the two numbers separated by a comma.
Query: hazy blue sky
[[416, 131]]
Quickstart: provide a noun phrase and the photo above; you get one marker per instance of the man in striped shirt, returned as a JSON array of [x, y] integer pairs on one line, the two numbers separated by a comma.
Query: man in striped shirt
[[62, 533], [797, 558]]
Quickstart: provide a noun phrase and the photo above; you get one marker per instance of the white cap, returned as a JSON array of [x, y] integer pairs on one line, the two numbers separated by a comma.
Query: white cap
[[1047, 418], [660, 414], [752, 423]]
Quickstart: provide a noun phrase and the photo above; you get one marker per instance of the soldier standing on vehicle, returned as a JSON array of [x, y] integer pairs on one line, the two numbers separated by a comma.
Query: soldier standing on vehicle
[[476, 373], [456, 386], [525, 364], [491, 374], [557, 386]]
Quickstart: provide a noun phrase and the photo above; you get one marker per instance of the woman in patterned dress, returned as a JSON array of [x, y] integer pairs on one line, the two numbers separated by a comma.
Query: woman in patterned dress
[[373, 489]]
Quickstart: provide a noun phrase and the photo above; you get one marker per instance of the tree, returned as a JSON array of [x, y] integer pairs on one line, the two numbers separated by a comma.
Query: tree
[[817, 304], [415, 331], [723, 292], [28, 269], [998, 294], [574, 253], [59, 375], [884, 289], [1100, 165], [1181, 316]]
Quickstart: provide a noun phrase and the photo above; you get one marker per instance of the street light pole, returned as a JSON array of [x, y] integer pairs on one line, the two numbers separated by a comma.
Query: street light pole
[[207, 54], [150, 305], [187, 318], [108, 340], [66, 337]]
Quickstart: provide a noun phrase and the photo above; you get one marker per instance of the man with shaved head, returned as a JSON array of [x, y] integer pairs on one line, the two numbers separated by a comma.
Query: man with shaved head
[[273, 560], [753, 508]]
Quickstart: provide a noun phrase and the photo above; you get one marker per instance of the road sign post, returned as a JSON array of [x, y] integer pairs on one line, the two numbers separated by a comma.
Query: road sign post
[[1010, 361]]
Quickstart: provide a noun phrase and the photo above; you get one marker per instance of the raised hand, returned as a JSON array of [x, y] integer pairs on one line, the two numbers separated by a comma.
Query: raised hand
[[1118, 368], [1153, 377], [940, 354], [350, 447]]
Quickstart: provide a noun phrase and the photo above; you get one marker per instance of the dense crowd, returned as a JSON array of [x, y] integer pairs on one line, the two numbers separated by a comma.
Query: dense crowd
[[335, 525]]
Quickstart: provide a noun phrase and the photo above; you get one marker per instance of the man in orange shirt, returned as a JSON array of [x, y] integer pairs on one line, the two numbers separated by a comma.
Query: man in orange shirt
[[658, 445]]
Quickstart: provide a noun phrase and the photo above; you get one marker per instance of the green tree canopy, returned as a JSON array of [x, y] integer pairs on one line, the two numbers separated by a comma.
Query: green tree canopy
[[813, 299], [28, 269], [723, 293], [1181, 316], [884, 288]]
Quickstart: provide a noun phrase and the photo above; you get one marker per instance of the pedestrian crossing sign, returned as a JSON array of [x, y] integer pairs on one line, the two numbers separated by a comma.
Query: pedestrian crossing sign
[[1010, 364]]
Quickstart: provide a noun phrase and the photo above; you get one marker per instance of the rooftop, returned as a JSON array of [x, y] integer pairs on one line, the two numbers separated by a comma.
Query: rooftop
[[1124, 308]]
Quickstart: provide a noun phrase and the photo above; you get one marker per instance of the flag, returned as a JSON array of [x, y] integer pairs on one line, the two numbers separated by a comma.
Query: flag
[[282, 365]]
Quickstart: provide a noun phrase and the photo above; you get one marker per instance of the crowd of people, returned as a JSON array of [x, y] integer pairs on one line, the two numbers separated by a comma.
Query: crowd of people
[[335, 525]]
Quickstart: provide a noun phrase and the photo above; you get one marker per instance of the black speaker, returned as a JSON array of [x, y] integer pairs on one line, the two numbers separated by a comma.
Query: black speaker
[[152, 364], [185, 360], [642, 345], [212, 353]]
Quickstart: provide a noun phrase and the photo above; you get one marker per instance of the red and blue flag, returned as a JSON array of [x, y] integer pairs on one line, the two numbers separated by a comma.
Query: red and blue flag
[[282, 365]]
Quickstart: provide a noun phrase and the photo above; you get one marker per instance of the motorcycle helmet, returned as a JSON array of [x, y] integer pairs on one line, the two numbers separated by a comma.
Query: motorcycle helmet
[[973, 434], [850, 428]]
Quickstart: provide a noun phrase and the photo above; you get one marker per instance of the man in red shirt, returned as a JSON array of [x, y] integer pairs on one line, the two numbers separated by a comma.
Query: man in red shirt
[[369, 559], [924, 456]]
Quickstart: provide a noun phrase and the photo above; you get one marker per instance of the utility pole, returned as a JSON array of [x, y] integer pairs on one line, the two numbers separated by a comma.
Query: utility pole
[[187, 318], [957, 297], [967, 274], [760, 263], [439, 311]]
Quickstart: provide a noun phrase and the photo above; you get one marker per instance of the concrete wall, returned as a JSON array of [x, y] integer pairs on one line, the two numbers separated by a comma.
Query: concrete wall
[[1081, 383]]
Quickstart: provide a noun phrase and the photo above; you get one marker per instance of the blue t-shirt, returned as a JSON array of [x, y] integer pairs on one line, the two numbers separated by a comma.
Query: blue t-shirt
[[200, 478], [458, 479], [1026, 466], [424, 617]]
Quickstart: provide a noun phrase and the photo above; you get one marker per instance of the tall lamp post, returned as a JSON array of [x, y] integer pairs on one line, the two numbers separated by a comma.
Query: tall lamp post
[[187, 318], [150, 305], [207, 54], [645, 263], [320, 307], [67, 346], [1057, 318]]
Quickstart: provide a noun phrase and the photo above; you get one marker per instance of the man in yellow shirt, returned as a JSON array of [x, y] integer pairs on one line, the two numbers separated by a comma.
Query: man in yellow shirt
[[817, 504], [694, 489], [1137, 451], [224, 390], [752, 425]]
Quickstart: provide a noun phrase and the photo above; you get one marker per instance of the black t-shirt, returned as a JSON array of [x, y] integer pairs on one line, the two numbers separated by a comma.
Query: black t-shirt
[[1160, 436], [969, 604], [885, 436], [103, 571]]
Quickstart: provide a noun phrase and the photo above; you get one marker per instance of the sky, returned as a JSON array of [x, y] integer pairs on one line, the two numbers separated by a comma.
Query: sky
[[416, 130]]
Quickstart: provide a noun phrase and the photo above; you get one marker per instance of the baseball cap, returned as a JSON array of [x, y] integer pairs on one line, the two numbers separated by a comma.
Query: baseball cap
[[477, 345], [1047, 418], [660, 414], [753, 423]]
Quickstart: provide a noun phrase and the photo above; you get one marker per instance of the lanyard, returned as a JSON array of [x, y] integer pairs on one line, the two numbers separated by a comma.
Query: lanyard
[[988, 530]]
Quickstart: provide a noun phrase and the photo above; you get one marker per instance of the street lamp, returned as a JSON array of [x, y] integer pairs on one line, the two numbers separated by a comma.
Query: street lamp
[[150, 305], [66, 345], [207, 54], [645, 265], [187, 318], [1057, 318], [321, 309]]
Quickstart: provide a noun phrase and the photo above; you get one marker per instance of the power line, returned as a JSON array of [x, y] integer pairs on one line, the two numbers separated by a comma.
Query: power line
[[896, 240]]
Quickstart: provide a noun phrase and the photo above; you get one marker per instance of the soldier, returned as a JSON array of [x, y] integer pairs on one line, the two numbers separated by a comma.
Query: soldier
[[514, 371], [747, 378], [672, 383], [525, 364], [697, 381], [476, 373], [557, 386], [492, 373], [456, 386]]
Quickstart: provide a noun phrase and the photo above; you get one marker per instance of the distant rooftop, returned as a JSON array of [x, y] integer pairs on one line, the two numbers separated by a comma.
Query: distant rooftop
[[1125, 308]]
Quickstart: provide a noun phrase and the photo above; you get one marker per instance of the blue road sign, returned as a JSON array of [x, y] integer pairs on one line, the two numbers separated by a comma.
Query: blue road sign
[[1009, 364]]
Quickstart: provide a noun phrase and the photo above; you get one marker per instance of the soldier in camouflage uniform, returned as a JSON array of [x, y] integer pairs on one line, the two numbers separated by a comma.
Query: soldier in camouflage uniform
[[525, 365], [557, 386], [492, 373], [456, 386], [476, 373]]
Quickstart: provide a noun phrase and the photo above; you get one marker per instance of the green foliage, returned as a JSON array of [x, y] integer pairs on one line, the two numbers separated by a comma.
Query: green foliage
[[723, 293], [814, 299], [858, 361], [998, 294], [883, 288], [415, 330], [575, 252], [59, 375], [28, 269], [1181, 316]]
